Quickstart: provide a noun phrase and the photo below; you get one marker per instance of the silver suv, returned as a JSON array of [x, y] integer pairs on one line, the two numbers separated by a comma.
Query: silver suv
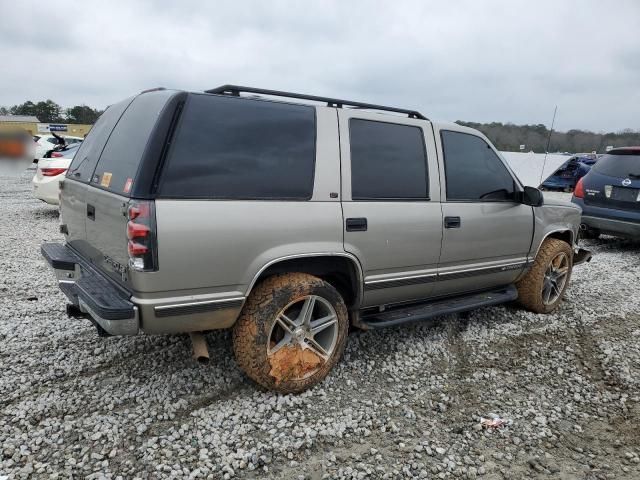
[[290, 222]]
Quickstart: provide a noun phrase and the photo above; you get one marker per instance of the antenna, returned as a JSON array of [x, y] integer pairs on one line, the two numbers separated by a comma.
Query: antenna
[[546, 151]]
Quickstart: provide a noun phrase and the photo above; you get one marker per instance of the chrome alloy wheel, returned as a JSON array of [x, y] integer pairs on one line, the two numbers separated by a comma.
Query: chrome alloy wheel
[[555, 278], [310, 323]]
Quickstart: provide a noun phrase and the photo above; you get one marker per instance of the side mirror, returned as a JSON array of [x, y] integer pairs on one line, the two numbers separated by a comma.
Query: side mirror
[[532, 196]]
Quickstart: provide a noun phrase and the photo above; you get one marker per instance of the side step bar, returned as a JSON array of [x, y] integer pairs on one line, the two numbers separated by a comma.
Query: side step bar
[[425, 311]]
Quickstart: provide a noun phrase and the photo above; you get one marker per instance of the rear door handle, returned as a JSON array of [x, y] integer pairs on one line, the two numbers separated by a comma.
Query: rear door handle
[[356, 224], [452, 222], [91, 212]]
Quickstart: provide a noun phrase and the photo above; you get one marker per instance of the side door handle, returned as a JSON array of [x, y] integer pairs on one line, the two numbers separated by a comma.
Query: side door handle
[[356, 224], [452, 222], [91, 212]]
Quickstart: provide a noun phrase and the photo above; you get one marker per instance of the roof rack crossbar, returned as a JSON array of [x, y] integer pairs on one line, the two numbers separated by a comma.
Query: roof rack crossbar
[[331, 102]]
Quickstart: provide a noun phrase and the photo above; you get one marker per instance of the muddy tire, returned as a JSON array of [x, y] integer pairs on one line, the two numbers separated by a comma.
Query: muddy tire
[[543, 287], [285, 338]]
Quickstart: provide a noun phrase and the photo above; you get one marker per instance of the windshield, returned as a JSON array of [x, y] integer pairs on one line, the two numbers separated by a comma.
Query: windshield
[[619, 165]]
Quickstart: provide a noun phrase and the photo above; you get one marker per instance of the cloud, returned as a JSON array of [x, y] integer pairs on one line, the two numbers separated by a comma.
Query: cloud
[[481, 61]]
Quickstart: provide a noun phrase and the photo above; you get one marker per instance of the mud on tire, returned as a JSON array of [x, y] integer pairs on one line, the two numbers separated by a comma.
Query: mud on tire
[[254, 327], [531, 287]]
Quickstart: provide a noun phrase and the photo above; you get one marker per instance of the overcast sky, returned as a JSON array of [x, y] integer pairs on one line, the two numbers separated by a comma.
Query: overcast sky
[[509, 61]]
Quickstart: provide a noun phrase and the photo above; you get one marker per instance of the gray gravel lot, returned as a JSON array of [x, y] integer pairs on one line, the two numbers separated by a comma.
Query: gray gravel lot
[[403, 403]]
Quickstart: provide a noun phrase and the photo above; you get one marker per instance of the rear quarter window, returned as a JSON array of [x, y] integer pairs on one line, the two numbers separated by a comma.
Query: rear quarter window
[[238, 148]]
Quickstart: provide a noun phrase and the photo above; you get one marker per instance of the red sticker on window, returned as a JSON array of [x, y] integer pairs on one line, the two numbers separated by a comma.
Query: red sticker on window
[[127, 185]]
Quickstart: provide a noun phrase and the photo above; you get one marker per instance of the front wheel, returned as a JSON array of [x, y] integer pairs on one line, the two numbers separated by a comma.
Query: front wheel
[[544, 285], [291, 332]]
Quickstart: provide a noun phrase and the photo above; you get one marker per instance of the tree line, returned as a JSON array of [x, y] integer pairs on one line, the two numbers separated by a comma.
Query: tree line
[[48, 111], [508, 137]]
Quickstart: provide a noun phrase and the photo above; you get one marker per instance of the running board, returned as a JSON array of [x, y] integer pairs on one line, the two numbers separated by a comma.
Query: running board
[[425, 311]]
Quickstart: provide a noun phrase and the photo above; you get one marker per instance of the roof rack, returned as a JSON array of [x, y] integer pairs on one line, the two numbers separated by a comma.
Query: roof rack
[[331, 102]]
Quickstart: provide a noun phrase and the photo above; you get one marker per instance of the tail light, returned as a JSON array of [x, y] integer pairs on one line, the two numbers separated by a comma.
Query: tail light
[[52, 172], [56, 155], [141, 235], [578, 192]]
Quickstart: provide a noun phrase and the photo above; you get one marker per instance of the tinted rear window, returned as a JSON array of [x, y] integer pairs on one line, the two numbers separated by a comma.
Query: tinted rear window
[[618, 165], [388, 161], [237, 148], [85, 160], [118, 165]]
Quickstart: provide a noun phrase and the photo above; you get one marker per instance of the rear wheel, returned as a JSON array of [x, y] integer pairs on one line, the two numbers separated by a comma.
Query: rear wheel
[[544, 285], [291, 332]]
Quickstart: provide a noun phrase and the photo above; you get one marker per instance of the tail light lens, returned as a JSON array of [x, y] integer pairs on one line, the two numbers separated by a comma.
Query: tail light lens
[[52, 172], [578, 192], [141, 235]]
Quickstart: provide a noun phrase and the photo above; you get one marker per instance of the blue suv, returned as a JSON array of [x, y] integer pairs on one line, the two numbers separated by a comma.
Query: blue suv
[[610, 195]]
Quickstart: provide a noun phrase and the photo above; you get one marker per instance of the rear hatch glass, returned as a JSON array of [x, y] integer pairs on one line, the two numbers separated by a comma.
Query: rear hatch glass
[[89, 152], [118, 165], [616, 183], [621, 166]]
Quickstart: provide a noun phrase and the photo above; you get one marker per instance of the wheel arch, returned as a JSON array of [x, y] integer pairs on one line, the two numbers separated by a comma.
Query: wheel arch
[[342, 270], [564, 234]]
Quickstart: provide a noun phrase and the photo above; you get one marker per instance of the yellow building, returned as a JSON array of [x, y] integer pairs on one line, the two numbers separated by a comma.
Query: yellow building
[[35, 127]]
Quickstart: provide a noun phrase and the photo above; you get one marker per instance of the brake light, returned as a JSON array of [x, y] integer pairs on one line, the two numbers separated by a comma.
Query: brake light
[[52, 172], [56, 155], [138, 210], [578, 192], [137, 230], [136, 249], [141, 236]]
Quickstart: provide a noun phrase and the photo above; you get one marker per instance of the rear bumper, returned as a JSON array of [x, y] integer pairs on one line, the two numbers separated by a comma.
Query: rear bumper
[[94, 294], [116, 312], [615, 227], [610, 220], [47, 188]]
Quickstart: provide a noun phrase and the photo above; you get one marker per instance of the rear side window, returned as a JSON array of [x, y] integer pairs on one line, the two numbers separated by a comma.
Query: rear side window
[[119, 162], [473, 171], [236, 148], [85, 160], [621, 166], [388, 161]]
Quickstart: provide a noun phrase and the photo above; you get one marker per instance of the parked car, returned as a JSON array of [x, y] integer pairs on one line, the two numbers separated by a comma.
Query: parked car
[[289, 222], [609, 195], [47, 142], [50, 172], [566, 177]]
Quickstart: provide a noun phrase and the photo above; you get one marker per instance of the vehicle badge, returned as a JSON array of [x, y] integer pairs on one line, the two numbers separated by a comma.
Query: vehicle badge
[[626, 182]]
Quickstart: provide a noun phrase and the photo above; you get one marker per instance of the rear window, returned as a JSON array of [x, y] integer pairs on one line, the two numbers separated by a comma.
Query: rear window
[[85, 160], [238, 148], [619, 165], [118, 164]]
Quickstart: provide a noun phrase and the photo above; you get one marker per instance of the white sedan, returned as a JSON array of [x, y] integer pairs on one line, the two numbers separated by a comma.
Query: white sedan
[[50, 172], [46, 142]]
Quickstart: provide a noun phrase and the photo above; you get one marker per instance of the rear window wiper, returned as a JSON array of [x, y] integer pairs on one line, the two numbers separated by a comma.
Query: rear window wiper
[[634, 175]]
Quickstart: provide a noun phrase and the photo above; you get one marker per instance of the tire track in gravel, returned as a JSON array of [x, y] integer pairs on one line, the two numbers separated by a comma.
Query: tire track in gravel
[[589, 354]]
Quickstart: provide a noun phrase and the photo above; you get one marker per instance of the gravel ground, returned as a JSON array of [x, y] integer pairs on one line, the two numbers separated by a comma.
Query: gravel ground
[[403, 403]]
